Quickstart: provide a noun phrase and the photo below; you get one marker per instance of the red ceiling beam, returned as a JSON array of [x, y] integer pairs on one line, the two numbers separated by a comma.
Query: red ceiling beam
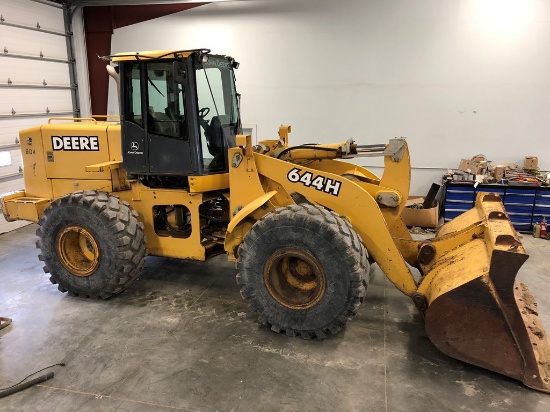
[[99, 24]]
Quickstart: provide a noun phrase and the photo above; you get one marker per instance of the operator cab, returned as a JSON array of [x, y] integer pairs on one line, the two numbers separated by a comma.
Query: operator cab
[[179, 114]]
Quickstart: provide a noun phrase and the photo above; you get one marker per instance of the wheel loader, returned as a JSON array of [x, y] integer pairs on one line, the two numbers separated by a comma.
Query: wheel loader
[[174, 177]]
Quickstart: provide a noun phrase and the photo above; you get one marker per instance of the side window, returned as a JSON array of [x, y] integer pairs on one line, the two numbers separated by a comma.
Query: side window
[[133, 95], [165, 108], [212, 117]]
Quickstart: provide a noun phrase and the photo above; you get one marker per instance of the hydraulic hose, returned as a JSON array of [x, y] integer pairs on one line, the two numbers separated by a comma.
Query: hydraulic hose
[[26, 385]]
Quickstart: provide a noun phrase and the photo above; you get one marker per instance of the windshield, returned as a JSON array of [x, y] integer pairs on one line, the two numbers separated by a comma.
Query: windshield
[[218, 110]]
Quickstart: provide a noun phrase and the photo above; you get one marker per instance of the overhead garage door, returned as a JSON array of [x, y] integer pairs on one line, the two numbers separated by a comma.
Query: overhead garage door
[[34, 80]]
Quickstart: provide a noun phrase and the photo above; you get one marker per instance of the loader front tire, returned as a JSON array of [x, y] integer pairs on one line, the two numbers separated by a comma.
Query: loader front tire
[[304, 270], [91, 243]]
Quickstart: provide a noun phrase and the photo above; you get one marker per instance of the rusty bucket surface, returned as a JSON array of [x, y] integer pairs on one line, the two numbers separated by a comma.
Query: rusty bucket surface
[[475, 310]]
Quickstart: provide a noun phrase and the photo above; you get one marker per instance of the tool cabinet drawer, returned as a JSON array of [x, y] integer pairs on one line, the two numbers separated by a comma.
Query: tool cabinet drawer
[[460, 194]]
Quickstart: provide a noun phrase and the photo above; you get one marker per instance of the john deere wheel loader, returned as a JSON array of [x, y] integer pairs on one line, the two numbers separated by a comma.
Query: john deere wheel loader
[[174, 177]]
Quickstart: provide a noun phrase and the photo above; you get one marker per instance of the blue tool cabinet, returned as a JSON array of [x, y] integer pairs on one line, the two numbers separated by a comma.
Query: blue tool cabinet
[[525, 205]]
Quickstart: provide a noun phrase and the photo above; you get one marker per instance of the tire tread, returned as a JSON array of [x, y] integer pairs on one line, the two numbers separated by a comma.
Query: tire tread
[[127, 234], [332, 224]]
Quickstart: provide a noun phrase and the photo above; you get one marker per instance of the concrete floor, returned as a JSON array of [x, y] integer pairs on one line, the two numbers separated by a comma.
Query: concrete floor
[[182, 338]]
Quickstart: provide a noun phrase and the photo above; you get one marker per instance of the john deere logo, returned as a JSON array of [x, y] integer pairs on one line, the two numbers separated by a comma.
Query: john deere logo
[[75, 143], [134, 149]]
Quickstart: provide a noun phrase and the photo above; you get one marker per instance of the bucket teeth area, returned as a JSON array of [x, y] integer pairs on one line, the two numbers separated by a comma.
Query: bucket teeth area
[[537, 336]]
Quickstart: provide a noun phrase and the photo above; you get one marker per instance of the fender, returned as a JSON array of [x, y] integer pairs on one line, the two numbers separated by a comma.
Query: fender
[[234, 237], [248, 209]]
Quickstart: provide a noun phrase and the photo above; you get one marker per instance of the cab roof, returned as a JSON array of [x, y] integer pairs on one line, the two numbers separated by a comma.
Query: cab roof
[[156, 54]]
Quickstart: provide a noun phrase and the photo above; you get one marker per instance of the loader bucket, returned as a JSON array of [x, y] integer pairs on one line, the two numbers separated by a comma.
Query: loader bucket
[[474, 309]]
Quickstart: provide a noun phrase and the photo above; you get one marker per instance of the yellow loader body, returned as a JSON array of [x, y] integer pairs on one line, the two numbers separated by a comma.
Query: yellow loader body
[[474, 310], [175, 178]]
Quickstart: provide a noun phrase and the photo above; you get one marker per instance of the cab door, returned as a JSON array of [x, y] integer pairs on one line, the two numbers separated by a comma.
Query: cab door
[[156, 139]]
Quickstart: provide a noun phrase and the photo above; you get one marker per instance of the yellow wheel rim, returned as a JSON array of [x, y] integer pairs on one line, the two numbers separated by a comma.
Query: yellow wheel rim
[[294, 278], [77, 250]]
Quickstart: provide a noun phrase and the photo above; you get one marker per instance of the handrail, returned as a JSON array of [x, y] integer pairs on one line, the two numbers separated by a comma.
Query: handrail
[[74, 119], [106, 116]]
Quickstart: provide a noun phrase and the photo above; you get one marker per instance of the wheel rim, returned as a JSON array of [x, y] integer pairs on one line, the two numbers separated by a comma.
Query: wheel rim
[[77, 250], [294, 278]]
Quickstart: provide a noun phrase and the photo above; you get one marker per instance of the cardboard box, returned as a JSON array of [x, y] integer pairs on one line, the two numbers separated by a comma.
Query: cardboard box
[[531, 163], [472, 166], [420, 217], [499, 173]]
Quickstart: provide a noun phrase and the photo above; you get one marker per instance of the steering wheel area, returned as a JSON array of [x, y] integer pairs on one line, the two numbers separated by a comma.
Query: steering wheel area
[[204, 112]]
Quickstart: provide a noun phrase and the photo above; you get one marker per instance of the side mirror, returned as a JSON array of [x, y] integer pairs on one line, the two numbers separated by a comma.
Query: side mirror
[[180, 74]]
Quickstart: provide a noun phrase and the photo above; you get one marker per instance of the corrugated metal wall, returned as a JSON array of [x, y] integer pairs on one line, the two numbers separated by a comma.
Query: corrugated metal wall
[[34, 80]]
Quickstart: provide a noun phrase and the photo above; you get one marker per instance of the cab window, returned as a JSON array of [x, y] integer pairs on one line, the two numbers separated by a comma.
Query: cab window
[[133, 112], [165, 105]]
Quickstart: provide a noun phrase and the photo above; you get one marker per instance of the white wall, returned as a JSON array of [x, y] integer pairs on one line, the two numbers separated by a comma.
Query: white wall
[[457, 77]]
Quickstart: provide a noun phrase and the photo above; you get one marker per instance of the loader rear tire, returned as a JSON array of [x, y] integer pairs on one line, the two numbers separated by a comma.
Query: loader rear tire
[[92, 244], [304, 270]]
